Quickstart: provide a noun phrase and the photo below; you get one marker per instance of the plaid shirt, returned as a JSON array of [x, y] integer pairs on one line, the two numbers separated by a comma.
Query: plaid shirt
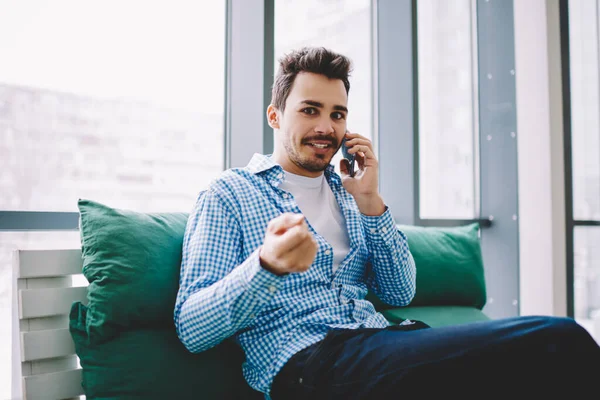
[[225, 292]]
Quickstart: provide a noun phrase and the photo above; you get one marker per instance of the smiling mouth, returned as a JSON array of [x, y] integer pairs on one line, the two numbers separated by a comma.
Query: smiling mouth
[[319, 145]]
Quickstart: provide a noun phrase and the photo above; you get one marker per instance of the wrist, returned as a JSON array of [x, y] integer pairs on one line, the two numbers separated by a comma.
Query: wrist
[[267, 266], [372, 206]]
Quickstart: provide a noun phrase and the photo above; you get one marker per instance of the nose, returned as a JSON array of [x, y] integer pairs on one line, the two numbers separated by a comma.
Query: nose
[[324, 126]]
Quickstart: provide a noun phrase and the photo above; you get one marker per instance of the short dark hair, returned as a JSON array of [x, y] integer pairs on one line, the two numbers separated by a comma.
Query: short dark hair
[[318, 60]]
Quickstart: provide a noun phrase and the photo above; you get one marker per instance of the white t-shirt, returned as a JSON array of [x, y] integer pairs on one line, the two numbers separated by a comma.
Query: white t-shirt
[[317, 202]]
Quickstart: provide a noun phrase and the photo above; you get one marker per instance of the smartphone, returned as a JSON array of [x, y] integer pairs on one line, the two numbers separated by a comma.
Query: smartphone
[[348, 156]]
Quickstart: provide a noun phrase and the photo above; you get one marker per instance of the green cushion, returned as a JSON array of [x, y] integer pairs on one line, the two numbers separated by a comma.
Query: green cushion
[[449, 266], [131, 261], [153, 364], [436, 316]]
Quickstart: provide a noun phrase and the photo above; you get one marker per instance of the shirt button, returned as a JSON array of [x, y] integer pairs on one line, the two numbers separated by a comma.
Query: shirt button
[[272, 289], [285, 196], [327, 252], [384, 230], [280, 176], [373, 230]]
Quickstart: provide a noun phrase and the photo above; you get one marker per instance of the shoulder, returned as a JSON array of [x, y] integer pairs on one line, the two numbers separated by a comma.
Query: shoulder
[[231, 189], [233, 182]]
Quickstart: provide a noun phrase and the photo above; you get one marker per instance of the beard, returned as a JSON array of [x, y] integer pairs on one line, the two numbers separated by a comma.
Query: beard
[[314, 162]]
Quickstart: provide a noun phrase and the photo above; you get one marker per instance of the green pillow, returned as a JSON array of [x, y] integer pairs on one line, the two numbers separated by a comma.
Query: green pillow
[[132, 262], [153, 364], [449, 266]]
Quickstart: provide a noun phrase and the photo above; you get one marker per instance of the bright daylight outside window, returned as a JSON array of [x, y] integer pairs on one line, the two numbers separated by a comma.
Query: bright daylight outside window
[[584, 24], [447, 87], [119, 102], [343, 26]]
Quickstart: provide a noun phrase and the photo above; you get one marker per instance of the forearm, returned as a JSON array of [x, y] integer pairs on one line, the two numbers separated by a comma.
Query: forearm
[[393, 274], [370, 205], [212, 314]]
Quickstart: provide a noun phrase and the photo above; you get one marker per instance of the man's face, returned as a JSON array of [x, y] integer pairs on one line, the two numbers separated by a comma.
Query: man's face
[[314, 122]]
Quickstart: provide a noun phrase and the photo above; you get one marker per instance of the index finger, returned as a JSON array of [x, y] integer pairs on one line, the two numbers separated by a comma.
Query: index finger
[[284, 222], [351, 135]]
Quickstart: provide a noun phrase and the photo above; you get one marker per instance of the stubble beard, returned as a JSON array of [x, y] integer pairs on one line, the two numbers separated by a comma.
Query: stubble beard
[[316, 163]]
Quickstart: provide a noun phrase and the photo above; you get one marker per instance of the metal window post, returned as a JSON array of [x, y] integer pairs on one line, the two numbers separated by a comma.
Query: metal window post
[[498, 155], [249, 74]]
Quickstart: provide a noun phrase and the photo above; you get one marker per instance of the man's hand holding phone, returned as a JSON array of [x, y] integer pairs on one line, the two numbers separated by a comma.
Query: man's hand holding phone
[[289, 246], [361, 182]]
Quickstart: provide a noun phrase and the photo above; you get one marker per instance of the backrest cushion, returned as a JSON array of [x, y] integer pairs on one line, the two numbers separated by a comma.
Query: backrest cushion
[[131, 261]]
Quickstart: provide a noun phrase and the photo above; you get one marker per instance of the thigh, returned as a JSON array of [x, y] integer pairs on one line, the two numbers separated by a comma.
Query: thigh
[[467, 358], [517, 337]]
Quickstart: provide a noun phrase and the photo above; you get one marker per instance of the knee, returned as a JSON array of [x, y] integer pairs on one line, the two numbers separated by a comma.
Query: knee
[[563, 327], [564, 324], [558, 324], [548, 325]]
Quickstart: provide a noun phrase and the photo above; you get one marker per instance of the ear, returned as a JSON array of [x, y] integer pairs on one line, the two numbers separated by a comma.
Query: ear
[[273, 116]]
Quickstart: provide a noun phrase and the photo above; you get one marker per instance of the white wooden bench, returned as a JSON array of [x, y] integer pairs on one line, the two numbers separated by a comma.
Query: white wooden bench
[[45, 365]]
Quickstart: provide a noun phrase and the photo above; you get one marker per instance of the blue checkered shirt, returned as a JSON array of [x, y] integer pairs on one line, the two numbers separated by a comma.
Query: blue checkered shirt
[[225, 292]]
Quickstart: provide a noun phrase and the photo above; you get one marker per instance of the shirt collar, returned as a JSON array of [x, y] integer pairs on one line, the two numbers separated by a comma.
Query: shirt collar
[[264, 164]]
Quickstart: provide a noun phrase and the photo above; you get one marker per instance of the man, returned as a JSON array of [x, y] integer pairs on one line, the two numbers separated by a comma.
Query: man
[[280, 254]]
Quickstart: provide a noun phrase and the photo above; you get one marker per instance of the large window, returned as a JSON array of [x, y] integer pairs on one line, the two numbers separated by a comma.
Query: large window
[[584, 42], [119, 102], [447, 87], [343, 26]]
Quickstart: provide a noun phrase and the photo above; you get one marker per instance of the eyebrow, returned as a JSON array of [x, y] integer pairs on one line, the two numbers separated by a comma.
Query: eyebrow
[[320, 105]]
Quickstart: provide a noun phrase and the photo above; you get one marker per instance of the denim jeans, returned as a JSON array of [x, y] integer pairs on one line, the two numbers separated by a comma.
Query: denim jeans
[[522, 357]]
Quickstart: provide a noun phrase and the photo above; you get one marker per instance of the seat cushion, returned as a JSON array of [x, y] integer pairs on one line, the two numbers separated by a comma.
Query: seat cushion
[[131, 261], [436, 316], [151, 363]]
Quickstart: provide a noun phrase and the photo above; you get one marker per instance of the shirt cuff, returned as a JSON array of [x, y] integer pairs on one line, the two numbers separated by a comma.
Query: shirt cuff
[[380, 228], [260, 282]]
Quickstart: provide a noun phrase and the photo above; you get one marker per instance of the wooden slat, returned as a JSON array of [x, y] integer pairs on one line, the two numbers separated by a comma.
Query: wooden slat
[[57, 385], [53, 365], [46, 344], [54, 282], [46, 263], [44, 323], [36, 303]]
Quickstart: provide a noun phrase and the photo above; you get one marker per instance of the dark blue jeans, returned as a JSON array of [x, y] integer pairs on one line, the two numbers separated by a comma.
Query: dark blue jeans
[[544, 357]]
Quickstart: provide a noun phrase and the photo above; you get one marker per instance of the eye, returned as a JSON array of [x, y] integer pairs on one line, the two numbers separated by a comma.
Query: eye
[[338, 115], [309, 110]]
